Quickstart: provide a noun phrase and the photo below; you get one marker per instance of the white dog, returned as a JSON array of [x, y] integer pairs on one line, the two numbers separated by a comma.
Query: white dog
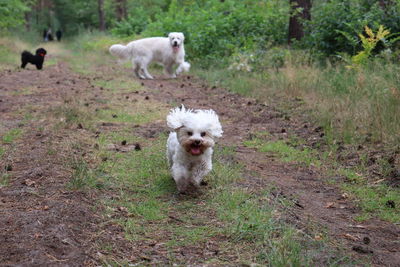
[[166, 51], [190, 145]]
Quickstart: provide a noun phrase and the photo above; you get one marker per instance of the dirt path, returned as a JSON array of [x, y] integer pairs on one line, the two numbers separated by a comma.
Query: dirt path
[[41, 223], [44, 224]]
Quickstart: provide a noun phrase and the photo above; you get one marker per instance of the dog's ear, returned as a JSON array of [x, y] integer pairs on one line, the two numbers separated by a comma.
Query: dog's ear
[[176, 117], [181, 36], [214, 125]]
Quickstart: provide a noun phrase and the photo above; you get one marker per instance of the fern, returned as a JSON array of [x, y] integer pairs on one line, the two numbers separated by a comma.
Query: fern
[[368, 42]]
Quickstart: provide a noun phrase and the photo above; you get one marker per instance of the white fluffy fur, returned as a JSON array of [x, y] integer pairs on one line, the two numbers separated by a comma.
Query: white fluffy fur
[[190, 145], [168, 51]]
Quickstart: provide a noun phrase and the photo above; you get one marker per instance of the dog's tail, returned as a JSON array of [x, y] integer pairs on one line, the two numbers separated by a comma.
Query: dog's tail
[[185, 66], [120, 51]]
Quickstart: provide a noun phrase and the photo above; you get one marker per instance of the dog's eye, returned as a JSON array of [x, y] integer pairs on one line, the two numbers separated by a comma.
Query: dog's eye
[[203, 134], [190, 133]]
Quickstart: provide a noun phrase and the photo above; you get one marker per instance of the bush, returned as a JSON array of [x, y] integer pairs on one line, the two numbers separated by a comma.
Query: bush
[[134, 24], [335, 25], [217, 30]]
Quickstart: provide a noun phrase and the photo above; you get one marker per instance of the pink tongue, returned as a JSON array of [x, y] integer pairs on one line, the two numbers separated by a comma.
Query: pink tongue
[[175, 48], [195, 151]]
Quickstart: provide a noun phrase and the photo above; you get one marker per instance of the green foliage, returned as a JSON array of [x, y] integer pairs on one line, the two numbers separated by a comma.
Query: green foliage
[[335, 24], [11, 135], [216, 30], [134, 24], [369, 42], [12, 13]]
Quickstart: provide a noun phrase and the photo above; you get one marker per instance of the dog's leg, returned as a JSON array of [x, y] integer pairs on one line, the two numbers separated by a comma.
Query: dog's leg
[[180, 175], [136, 70], [24, 64], [170, 71], [179, 69], [144, 62], [146, 73], [202, 170]]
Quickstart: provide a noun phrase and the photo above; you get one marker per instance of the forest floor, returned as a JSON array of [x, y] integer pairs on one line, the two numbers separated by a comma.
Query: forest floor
[[74, 135]]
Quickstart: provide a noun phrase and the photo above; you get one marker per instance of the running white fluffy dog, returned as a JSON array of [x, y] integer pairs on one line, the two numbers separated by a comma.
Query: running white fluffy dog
[[166, 51], [190, 145]]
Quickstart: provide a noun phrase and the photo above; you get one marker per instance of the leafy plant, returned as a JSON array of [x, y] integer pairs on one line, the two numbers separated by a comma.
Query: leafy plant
[[369, 42]]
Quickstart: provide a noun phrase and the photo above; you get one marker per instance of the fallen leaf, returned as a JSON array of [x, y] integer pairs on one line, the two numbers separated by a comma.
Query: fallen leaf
[[330, 205], [29, 182], [318, 237], [358, 226], [351, 237]]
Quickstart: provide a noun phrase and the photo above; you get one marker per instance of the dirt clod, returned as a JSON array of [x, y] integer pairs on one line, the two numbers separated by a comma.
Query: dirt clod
[[138, 147], [390, 204], [362, 250], [123, 142], [366, 240], [9, 167]]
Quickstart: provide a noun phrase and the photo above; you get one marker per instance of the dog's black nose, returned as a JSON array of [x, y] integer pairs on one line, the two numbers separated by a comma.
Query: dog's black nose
[[197, 142]]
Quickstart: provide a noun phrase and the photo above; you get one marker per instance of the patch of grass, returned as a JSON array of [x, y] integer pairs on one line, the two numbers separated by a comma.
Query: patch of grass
[[351, 175], [286, 152], [82, 176], [72, 114], [140, 113], [238, 82], [22, 91], [372, 199], [119, 85], [354, 103], [4, 179], [10, 136], [375, 200]]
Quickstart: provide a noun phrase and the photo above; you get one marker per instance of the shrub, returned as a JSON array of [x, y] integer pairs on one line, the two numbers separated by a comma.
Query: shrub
[[132, 25], [217, 30], [335, 25]]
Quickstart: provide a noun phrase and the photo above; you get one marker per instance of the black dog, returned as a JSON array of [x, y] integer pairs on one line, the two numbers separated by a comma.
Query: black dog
[[27, 57], [59, 35]]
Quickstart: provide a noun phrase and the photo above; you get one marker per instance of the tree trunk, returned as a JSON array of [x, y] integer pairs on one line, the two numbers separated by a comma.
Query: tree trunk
[[120, 9], [385, 4], [295, 23], [102, 23]]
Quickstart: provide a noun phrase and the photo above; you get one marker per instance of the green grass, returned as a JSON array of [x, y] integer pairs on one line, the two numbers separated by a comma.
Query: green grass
[[372, 199], [82, 177], [4, 179], [10, 136], [22, 91], [119, 85], [241, 220], [353, 103], [285, 151]]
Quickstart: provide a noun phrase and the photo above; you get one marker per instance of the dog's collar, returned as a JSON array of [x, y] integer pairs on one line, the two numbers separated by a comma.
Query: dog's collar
[[42, 54]]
